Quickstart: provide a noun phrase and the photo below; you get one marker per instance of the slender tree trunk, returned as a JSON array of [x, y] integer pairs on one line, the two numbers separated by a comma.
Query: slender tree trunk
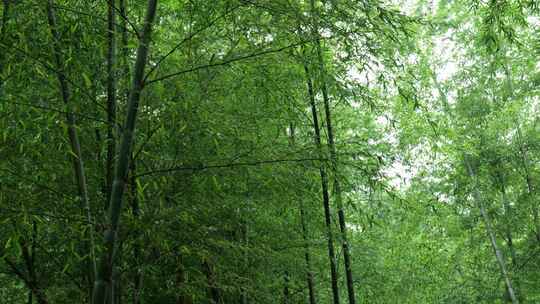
[[245, 257], [307, 256], [33, 256], [110, 290], [491, 233], [324, 186], [78, 165], [28, 256], [122, 162], [135, 209], [5, 18], [29, 277], [305, 235], [124, 45], [523, 154], [111, 96], [214, 293], [41, 298], [334, 160], [118, 288], [3, 26], [286, 292], [183, 297], [336, 183], [530, 188], [508, 234]]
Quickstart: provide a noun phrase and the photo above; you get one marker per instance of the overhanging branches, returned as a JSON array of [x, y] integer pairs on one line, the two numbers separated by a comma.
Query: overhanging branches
[[240, 58]]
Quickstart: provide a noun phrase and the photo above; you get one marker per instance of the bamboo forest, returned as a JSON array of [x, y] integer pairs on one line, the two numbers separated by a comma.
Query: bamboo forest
[[269, 151]]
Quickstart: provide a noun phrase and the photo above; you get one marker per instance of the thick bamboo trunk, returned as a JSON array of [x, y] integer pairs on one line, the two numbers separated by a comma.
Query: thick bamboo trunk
[[122, 163], [491, 233]]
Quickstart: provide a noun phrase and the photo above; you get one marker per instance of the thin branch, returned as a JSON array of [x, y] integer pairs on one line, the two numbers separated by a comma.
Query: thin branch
[[229, 61], [151, 133], [248, 56], [189, 37], [121, 14], [229, 165], [529, 258]]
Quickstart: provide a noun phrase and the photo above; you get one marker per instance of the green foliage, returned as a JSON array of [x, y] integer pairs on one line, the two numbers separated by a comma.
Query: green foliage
[[224, 159]]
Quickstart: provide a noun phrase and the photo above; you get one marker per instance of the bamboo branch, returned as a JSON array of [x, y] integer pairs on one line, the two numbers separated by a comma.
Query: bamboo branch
[[229, 165]]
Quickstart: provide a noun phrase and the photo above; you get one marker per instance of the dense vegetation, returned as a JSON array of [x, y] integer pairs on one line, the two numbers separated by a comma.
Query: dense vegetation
[[257, 151]]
